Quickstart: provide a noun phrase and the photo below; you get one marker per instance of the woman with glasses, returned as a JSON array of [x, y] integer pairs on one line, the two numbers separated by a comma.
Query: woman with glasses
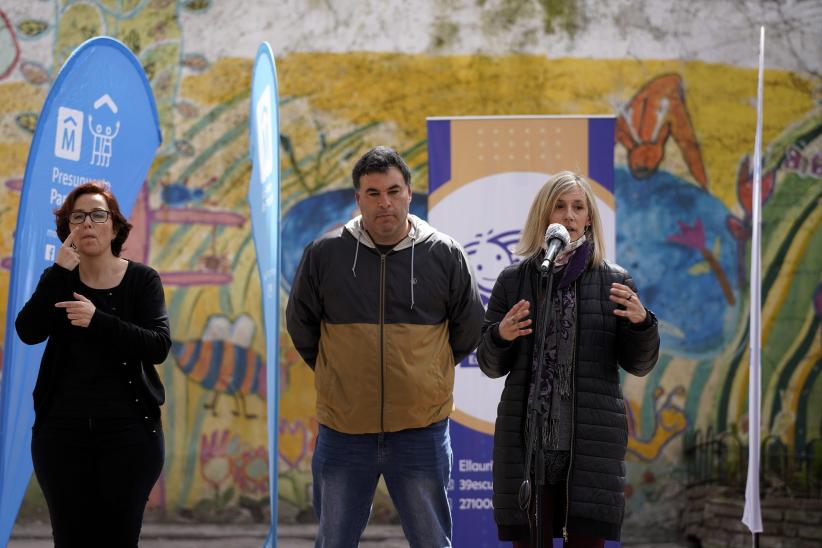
[[97, 442]]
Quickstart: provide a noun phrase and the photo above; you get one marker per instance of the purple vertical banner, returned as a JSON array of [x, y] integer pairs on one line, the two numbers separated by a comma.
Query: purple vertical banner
[[483, 174], [470, 487], [264, 203], [98, 123]]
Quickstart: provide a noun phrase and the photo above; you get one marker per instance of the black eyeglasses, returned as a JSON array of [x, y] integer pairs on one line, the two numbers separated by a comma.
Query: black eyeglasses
[[98, 216]]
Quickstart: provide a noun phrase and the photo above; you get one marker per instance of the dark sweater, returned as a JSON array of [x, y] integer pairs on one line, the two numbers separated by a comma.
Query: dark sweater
[[136, 340], [604, 343]]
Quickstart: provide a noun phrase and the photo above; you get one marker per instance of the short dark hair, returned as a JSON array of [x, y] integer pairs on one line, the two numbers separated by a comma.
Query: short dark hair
[[119, 223], [379, 160]]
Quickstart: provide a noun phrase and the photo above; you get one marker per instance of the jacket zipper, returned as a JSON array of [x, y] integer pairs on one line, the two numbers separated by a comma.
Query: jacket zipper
[[573, 413], [382, 344]]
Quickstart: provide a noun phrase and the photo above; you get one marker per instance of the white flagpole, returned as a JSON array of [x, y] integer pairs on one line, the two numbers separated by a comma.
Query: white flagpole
[[752, 516]]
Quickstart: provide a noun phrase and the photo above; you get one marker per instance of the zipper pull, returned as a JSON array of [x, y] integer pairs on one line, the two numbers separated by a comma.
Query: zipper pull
[[565, 534]]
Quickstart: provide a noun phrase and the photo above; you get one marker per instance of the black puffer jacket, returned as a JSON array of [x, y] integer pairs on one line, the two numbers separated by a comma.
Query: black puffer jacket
[[605, 343]]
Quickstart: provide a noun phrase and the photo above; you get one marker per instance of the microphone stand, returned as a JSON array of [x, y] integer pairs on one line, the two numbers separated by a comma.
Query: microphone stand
[[535, 425]]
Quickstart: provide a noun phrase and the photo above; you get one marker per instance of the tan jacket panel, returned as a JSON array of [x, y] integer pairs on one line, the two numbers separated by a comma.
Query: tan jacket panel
[[418, 377]]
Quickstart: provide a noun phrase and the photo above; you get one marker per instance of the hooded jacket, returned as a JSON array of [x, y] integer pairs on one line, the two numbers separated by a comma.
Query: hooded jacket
[[604, 344], [384, 335]]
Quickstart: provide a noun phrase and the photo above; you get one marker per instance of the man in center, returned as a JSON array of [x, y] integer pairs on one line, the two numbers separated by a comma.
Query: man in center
[[382, 310]]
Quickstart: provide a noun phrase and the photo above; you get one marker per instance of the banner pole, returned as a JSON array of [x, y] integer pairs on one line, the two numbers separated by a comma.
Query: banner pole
[[752, 516]]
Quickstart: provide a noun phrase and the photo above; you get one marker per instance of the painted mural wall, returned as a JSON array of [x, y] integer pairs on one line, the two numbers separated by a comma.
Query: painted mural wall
[[683, 193]]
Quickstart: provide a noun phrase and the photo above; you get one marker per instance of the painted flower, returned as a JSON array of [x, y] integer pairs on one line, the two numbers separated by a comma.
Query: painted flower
[[294, 439], [250, 470], [693, 237], [215, 456]]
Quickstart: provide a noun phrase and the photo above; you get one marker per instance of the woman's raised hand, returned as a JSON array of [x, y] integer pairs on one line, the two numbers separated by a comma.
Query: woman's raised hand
[[516, 322], [634, 310], [67, 255]]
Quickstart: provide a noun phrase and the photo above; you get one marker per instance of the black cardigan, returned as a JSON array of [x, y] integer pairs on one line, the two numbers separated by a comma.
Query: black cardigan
[[604, 343], [140, 334]]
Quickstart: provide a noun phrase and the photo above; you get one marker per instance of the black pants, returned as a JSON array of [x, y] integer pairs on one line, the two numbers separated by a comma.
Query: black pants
[[553, 520], [96, 476]]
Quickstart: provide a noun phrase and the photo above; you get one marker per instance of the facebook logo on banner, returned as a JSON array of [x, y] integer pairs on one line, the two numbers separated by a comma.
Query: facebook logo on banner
[[68, 140]]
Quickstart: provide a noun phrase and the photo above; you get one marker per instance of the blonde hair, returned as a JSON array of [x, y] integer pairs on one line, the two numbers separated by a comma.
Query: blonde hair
[[533, 233]]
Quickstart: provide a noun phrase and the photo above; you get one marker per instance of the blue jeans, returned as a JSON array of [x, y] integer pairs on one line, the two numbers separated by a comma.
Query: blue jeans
[[416, 465]]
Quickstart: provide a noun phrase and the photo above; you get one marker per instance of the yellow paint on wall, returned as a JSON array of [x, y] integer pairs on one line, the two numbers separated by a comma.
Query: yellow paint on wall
[[366, 87], [13, 158], [78, 22], [4, 290], [223, 81], [20, 97]]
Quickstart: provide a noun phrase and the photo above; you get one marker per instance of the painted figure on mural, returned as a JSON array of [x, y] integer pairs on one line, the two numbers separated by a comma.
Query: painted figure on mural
[[574, 426], [97, 441], [383, 309], [655, 113]]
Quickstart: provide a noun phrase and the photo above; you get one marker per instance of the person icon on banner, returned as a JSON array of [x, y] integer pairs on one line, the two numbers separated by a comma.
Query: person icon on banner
[[102, 146]]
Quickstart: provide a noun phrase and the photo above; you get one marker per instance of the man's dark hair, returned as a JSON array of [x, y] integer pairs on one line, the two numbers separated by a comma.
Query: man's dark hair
[[379, 160]]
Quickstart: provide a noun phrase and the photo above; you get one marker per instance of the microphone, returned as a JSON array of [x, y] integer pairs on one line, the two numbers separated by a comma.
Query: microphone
[[556, 238]]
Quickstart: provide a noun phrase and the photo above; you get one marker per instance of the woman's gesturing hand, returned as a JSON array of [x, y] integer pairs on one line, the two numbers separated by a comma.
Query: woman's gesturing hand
[[67, 255], [516, 322], [79, 312], [634, 309]]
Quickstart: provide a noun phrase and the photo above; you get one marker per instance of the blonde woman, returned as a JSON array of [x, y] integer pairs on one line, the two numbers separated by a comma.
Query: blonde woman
[[572, 421]]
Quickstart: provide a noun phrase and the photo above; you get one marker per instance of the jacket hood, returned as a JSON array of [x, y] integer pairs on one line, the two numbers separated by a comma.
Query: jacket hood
[[420, 231]]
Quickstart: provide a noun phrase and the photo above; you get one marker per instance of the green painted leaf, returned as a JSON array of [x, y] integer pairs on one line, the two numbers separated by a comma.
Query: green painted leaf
[[227, 495], [27, 121], [197, 5], [32, 27], [699, 268]]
